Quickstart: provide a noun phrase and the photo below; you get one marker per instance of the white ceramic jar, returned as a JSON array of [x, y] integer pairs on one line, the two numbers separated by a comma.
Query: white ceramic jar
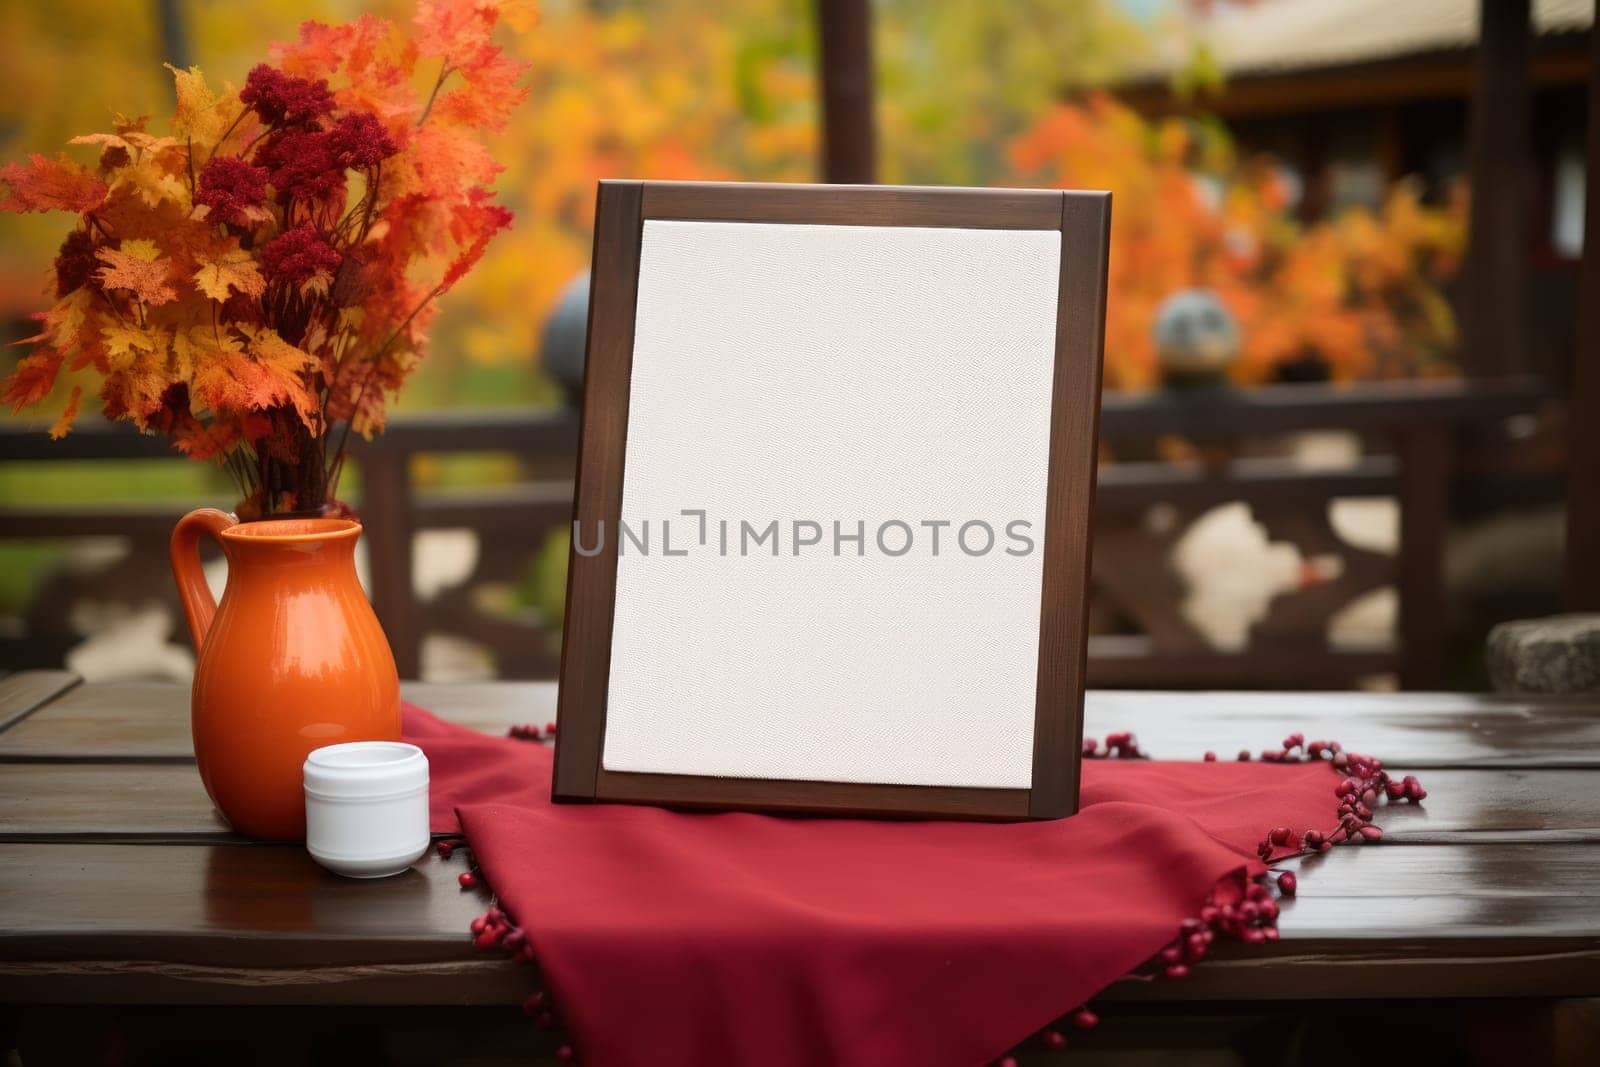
[[367, 807]]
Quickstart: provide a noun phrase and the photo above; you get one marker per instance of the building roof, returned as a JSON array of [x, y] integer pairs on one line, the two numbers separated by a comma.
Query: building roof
[[1284, 36]]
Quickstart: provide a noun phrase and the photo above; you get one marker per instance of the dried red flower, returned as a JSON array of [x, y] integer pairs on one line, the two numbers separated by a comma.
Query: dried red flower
[[75, 263], [298, 254], [229, 186], [301, 165], [360, 141], [281, 99]]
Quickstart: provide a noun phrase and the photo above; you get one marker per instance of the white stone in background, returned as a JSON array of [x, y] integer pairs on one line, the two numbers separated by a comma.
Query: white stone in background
[[126, 643], [1556, 654], [443, 559], [1233, 573]]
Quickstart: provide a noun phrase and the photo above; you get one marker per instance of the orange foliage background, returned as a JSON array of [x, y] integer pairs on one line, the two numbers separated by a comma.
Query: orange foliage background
[[1356, 296]]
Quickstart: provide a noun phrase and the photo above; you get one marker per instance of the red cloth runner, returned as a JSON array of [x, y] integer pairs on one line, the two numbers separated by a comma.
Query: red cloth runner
[[668, 938]]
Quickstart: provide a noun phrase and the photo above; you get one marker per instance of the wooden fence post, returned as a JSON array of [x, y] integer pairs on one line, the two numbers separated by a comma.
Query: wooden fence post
[[1494, 281], [1583, 470], [849, 152], [389, 531]]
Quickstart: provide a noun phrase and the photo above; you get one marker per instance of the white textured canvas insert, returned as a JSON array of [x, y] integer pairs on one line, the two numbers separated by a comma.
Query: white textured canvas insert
[[822, 373]]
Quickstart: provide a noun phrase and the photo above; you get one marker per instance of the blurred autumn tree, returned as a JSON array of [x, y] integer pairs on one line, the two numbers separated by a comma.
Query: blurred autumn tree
[[1356, 296], [968, 92], [638, 88]]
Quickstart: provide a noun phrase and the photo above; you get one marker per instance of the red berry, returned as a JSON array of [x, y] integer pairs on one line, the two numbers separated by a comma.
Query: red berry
[[1244, 755], [477, 925], [513, 940], [550, 728], [1211, 757], [1172, 954], [1055, 1039], [467, 879], [544, 1020], [1178, 970], [488, 939], [1287, 883], [445, 848], [565, 1054], [1271, 932], [1252, 935], [1371, 833], [534, 1003], [1084, 1019], [1007, 1061]]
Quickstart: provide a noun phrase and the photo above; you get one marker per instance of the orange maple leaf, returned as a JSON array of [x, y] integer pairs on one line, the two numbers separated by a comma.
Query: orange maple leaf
[[472, 225], [50, 185], [33, 380], [490, 93], [59, 429], [457, 30], [139, 268]]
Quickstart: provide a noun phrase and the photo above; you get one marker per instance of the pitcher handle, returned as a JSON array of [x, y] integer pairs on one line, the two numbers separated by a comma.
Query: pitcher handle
[[198, 604]]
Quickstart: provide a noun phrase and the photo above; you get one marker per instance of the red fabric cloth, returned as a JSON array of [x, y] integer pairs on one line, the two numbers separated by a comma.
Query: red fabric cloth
[[669, 938]]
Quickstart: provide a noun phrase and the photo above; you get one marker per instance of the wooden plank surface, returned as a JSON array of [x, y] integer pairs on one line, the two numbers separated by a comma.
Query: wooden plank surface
[[215, 923], [150, 721], [221, 923], [23, 693], [120, 884], [166, 802], [1417, 730]]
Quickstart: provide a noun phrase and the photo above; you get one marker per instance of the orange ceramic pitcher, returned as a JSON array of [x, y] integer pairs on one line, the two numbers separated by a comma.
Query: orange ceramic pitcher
[[292, 659]]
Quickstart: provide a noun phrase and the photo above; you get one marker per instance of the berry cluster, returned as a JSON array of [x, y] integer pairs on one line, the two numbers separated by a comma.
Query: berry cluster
[[1246, 909], [1118, 746], [494, 930], [531, 732], [1364, 782]]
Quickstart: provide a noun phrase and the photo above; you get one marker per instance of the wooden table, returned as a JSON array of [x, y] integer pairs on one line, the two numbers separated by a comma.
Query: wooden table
[[119, 886]]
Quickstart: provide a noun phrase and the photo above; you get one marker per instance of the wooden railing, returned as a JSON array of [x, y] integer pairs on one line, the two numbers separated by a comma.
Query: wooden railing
[[1409, 434]]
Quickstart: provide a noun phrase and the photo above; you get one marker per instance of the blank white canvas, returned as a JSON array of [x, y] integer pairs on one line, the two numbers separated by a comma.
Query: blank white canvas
[[822, 373]]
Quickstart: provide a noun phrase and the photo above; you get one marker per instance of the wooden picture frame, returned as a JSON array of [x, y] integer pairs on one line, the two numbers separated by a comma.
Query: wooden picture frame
[[1075, 222]]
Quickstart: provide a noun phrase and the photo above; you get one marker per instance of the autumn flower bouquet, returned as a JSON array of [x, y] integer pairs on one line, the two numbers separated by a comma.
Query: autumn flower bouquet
[[257, 281]]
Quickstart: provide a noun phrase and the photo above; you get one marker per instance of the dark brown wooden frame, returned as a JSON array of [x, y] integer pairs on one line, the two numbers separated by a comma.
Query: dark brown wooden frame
[[1084, 221]]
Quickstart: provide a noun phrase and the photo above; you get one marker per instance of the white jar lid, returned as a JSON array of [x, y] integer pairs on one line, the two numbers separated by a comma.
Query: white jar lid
[[365, 770]]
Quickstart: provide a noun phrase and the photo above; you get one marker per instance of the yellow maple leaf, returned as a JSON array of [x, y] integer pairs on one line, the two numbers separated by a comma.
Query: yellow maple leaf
[[153, 181], [202, 115], [234, 268], [131, 141], [124, 344], [211, 356]]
